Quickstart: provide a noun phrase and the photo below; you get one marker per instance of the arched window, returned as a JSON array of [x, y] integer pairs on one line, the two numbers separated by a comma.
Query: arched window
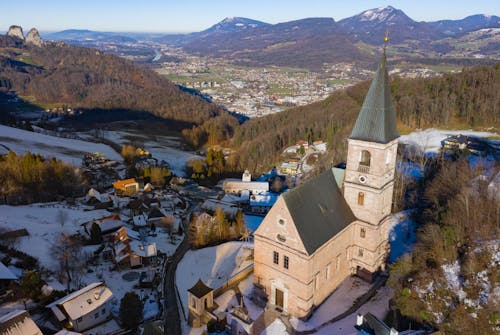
[[361, 198], [365, 158]]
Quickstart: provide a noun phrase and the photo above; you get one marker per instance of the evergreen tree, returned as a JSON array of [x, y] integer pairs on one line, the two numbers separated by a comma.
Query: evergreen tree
[[131, 310]]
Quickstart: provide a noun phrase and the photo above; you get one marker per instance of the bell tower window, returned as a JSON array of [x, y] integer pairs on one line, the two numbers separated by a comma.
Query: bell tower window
[[364, 162], [361, 198]]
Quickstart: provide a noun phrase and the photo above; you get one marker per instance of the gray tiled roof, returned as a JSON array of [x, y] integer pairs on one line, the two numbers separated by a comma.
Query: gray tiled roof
[[376, 121], [199, 289], [319, 210]]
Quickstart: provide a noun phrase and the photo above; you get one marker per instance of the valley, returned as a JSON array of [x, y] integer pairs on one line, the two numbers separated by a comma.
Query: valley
[[305, 176]]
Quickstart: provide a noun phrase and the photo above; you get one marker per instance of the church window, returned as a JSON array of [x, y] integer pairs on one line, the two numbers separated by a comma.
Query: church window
[[276, 257], [360, 252], [328, 270], [281, 238], [281, 222], [285, 262], [361, 198], [337, 264], [387, 157], [193, 302], [362, 232], [316, 281], [365, 158]]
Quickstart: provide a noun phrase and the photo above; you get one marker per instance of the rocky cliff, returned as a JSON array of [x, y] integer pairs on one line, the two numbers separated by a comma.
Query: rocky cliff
[[16, 31], [33, 38]]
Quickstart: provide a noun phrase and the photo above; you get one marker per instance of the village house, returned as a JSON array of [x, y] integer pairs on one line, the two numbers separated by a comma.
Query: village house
[[245, 184], [6, 278], [129, 248], [106, 224], [315, 236], [126, 187], [18, 322], [84, 308]]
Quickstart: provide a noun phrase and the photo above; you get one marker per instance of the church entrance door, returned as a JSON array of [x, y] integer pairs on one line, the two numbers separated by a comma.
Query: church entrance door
[[279, 298]]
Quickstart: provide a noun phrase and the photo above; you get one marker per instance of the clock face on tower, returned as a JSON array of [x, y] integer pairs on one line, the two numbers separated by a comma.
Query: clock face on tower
[[362, 179]]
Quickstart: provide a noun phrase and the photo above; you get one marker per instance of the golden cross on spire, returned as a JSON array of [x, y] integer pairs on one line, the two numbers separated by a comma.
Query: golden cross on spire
[[386, 39]]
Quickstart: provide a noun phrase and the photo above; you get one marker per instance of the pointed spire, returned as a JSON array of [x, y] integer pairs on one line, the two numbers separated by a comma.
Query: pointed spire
[[376, 121]]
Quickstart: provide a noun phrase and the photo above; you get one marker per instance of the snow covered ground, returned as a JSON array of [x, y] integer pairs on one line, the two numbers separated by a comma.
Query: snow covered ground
[[167, 148], [340, 301], [69, 150], [402, 235], [430, 139], [214, 265], [378, 306], [42, 223]]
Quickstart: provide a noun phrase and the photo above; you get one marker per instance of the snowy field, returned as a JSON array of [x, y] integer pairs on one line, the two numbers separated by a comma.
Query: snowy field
[[378, 306], [430, 139], [42, 223], [167, 148], [214, 265], [69, 150], [340, 301]]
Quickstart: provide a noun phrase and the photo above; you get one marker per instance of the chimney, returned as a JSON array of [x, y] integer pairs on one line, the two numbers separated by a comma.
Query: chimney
[[359, 320]]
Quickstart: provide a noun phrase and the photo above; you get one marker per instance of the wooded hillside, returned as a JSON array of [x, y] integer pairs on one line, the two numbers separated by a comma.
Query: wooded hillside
[[467, 99], [87, 78]]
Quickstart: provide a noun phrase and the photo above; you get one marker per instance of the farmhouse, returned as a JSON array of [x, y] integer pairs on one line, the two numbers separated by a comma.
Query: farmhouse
[[315, 235], [85, 308], [126, 187]]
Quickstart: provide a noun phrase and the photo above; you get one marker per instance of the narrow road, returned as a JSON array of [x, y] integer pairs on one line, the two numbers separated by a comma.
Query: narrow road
[[172, 316]]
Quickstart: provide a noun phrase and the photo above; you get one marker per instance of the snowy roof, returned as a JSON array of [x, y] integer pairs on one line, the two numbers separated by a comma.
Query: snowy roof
[[263, 199], [275, 328], [18, 322], [84, 301], [66, 332], [92, 193], [5, 273], [245, 185], [139, 220], [143, 249], [132, 234]]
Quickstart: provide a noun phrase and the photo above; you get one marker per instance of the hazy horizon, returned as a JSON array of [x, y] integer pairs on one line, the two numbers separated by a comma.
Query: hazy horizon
[[128, 16]]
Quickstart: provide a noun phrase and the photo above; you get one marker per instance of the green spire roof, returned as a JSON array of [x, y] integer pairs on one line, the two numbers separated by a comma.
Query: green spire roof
[[376, 122]]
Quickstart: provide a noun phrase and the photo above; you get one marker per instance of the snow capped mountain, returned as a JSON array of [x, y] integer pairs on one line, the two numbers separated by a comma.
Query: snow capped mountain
[[468, 24], [370, 26], [379, 14]]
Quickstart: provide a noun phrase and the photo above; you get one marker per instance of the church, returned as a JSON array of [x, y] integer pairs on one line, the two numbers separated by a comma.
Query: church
[[336, 224]]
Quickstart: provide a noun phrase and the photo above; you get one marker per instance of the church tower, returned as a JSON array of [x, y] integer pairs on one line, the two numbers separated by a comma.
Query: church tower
[[369, 175]]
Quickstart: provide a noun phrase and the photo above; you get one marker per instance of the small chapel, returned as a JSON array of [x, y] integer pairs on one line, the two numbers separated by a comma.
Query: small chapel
[[336, 224]]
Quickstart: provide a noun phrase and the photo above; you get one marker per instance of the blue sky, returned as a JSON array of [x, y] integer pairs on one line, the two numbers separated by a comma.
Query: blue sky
[[196, 15]]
